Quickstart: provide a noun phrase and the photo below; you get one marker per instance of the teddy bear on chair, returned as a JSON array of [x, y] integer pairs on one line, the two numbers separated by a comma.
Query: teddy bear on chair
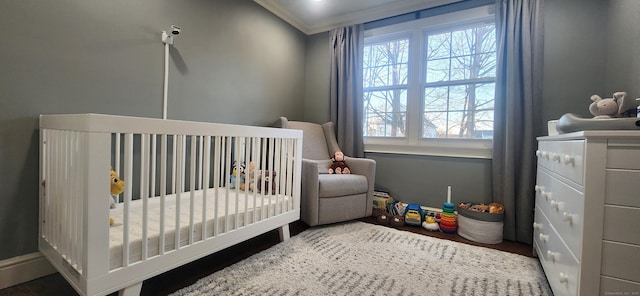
[[609, 107]]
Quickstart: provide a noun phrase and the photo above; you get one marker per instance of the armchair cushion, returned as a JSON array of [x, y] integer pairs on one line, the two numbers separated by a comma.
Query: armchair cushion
[[341, 185]]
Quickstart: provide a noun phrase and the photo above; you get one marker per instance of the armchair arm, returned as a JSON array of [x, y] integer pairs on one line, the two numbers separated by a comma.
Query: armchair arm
[[365, 167], [309, 201]]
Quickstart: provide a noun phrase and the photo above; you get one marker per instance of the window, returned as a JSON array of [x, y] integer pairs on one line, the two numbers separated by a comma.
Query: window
[[428, 85]]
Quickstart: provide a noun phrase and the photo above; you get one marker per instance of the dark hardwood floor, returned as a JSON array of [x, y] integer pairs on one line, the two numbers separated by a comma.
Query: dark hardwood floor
[[188, 274]]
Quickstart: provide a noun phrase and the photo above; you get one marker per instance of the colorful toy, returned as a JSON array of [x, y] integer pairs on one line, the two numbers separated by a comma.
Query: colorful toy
[[496, 208], [448, 218], [430, 224], [339, 166], [237, 174], [117, 186], [413, 214]]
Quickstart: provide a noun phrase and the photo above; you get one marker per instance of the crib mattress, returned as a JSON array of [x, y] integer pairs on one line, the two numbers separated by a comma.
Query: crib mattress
[[226, 209]]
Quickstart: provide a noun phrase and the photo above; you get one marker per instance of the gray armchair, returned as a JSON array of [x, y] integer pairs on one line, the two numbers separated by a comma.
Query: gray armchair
[[329, 198]]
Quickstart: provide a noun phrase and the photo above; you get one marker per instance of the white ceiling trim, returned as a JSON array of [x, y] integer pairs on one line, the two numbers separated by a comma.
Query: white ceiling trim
[[364, 15]]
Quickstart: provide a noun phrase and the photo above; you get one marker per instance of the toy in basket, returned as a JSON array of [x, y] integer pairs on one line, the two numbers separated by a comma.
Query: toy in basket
[[448, 219], [481, 223]]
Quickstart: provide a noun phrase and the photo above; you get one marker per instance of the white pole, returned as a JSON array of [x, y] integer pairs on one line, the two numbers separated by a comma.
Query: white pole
[[167, 40], [166, 80]]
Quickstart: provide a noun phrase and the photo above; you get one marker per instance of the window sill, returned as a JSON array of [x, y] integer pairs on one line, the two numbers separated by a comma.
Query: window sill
[[462, 151]]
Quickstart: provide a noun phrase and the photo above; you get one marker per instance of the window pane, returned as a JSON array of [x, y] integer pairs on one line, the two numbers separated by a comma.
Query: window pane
[[458, 98], [439, 46], [436, 98], [471, 53], [386, 63], [438, 70], [385, 113], [466, 111]]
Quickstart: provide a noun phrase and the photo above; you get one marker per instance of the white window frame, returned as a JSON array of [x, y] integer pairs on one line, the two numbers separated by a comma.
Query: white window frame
[[413, 143]]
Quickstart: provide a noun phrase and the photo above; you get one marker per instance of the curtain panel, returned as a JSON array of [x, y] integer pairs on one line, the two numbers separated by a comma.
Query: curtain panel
[[517, 120], [346, 106]]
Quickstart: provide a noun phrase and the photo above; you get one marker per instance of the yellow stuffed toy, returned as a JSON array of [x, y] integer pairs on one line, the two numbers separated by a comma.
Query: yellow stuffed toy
[[117, 187]]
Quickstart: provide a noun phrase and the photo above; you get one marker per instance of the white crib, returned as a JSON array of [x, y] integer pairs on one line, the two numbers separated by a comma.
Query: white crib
[[178, 204]]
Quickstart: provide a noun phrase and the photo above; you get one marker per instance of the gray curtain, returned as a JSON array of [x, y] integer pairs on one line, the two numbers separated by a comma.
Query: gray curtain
[[347, 44], [517, 113]]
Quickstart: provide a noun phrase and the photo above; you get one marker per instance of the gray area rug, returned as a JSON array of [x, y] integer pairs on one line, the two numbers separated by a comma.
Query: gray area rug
[[357, 258]]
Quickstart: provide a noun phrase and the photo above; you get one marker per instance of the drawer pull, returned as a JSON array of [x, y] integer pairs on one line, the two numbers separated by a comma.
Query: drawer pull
[[568, 159], [563, 277], [538, 153], [555, 204], [546, 195], [552, 255], [539, 188], [544, 238], [568, 217], [537, 225], [555, 157]]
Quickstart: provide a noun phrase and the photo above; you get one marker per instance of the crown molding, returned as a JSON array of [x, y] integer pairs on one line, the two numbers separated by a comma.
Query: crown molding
[[345, 19]]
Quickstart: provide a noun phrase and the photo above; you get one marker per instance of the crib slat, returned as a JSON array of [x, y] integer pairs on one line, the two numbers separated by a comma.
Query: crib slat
[[179, 170], [128, 175], [228, 168], [238, 144], [144, 189], [153, 164], [163, 192], [192, 187], [217, 163], [205, 180]]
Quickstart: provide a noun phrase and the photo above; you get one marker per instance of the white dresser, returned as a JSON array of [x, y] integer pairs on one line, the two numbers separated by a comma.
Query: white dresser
[[587, 213]]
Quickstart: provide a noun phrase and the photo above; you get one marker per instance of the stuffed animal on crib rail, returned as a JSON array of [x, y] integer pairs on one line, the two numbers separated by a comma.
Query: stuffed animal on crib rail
[[339, 166], [263, 181], [117, 187], [609, 107]]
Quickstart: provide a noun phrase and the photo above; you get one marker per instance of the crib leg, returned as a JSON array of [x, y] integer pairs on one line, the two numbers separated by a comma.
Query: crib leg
[[131, 291], [284, 232]]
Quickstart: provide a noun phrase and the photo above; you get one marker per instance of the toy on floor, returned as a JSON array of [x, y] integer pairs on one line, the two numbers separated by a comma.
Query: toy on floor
[[448, 218], [430, 224], [339, 166], [117, 187], [413, 214]]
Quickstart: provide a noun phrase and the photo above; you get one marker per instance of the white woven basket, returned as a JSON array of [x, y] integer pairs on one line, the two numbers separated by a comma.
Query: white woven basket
[[485, 232]]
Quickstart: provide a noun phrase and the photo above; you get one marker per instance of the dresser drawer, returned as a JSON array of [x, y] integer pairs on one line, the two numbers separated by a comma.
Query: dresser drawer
[[564, 207], [560, 267], [620, 186], [613, 286], [565, 158], [623, 153], [621, 224], [621, 260]]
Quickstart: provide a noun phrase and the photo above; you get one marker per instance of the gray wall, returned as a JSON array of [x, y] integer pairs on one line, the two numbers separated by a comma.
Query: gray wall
[[75, 56], [578, 34]]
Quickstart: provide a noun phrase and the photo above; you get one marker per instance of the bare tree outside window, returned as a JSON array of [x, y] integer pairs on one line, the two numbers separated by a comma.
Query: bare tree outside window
[[460, 81], [385, 88]]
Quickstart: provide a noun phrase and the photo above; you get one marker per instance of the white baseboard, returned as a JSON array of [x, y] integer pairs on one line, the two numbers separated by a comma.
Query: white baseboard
[[20, 269]]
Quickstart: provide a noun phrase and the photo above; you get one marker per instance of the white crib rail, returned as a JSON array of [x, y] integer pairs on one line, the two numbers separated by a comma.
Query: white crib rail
[[157, 159]]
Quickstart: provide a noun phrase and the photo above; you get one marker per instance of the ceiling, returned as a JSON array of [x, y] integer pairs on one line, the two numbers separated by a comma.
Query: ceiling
[[315, 16]]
